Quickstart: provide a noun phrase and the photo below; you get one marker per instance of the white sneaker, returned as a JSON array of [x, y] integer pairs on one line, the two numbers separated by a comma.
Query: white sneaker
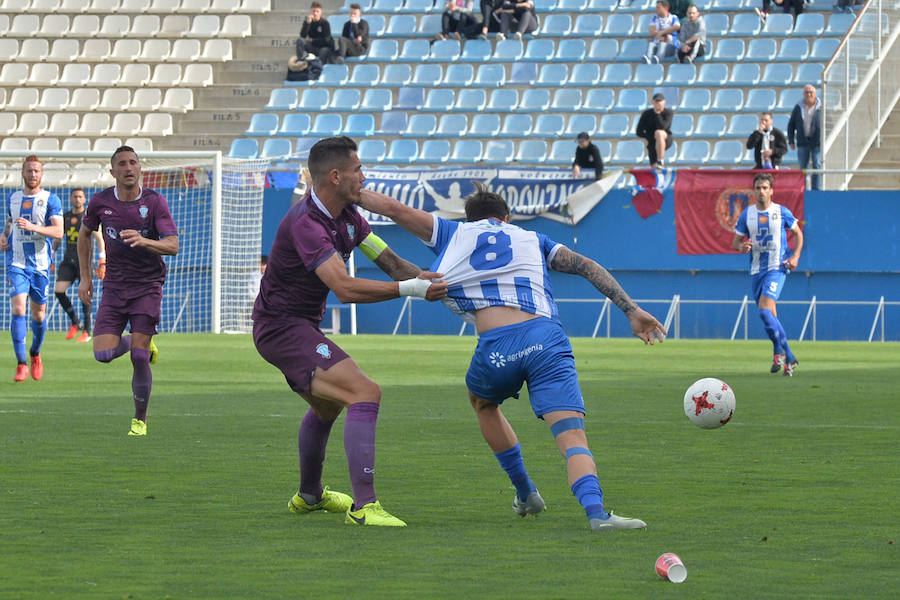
[[533, 505], [500, 37], [647, 59], [518, 35], [616, 522]]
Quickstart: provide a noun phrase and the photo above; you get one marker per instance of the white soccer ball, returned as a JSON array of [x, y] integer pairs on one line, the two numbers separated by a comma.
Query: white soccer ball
[[709, 403]]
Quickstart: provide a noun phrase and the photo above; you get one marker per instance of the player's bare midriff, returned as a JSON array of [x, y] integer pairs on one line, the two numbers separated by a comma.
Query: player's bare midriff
[[498, 316]]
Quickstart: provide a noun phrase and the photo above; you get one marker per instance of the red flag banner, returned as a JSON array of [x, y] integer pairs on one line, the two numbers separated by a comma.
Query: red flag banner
[[708, 203]]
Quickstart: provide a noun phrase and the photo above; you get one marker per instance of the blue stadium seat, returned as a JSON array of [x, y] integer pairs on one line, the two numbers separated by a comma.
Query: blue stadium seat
[[578, 123], [728, 100], [517, 126], [616, 75], [386, 6], [303, 145], [384, 50], [326, 125], [823, 49], [534, 100], [428, 75], [485, 125], [498, 152], [744, 75], [682, 125], [631, 100], [566, 100], [476, 51], [648, 75], [276, 148], [365, 76], [781, 121], [429, 26], [523, 73], [452, 125], [602, 6], [439, 100], [336, 22], [539, 50], [729, 50], [636, 6], [371, 151], [642, 24], [727, 152], [704, 6], [490, 76], [618, 25], [788, 98], [532, 152], [473, 100], [556, 25], [713, 75], [603, 50], [396, 75], [445, 51], [614, 126], [434, 152], [588, 25], [585, 75], [508, 51], [572, 6], [402, 152], [693, 152], [729, 6], [717, 25], [400, 26], [809, 24], [632, 51], [680, 75], [282, 99], [777, 75], [458, 75], [417, 6], [294, 124], [793, 50], [421, 126], [313, 100], [571, 51], [411, 98], [742, 125], [377, 25], [811, 73], [466, 152], [762, 50], [744, 24], [359, 125], [760, 100], [262, 125], [695, 100], [553, 75], [345, 100], [393, 123], [562, 152], [414, 51], [503, 100], [778, 25], [711, 126], [334, 75], [548, 126], [377, 100], [628, 152], [243, 148], [544, 6], [599, 100], [839, 24]]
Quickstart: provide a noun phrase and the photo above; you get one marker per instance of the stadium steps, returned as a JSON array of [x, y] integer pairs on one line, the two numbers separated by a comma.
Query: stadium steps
[[885, 157]]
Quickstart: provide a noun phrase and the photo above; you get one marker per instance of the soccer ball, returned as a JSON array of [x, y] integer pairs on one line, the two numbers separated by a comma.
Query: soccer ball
[[709, 403]]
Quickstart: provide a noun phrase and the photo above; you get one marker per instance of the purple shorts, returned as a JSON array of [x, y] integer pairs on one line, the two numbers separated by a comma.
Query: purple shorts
[[296, 347], [119, 307]]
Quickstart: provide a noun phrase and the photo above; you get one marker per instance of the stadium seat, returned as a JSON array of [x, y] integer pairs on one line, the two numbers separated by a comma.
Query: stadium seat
[[145, 26], [544, 6], [473, 100], [839, 24], [566, 100], [125, 124], [383, 50], [793, 50], [717, 25], [570, 51], [115, 100], [396, 75], [648, 75], [165, 75], [681, 75], [204, 26], [95, 125], [257, 6], [613, 126], [43, 74], [178, 100], [33, 50], [618, 25], [115, 26], [85, 99], [778, 25], [598, 100], [727, 152], [498, 152], [22, 99], [476, 51], [523, 73], [742, 125], [106, 145], [44, 144], [584, 75], [632, 51], [531, 152], [377, 25], [156, 124], [452, 125], [10, 144], [693, 152], [238, 26], [402, 152], [434, 152], [81, 145], [336, 23], [217, 51], [508, 51], [377, 100], [485, 125], [711, 126], [548, 125], [429, 26], [428, 76], [729, 6], [811, 73], [503, 100], [490, 76], [631, 100], [588, 25], [393, 123], [150, 51], [372, 151], [344, 100], [788, 99], [445, 51], [572, 6], [627, 152], [578, 123], [861, 49], [160, 6], [603, 50], [601, 6], [728, 50], [616, 75], [217, 6], [262, 125], [24, 25], [562, 152], [695, 100], [762, 50], [399, 26], [682, 125], [458, 75], [776, 75], [466, 152], [421, 126], [728, 100], [93, 51], [636, 6], [9, 49], [337, 75], [313, 100], [552, 75], [760, 100], [16, 74], [186, 50], [84, 26], [534, 100], [517, 126], [417, 6], [823, 49], [712, 75], [276, 148], [133, 75], [194, 6], [410, 98], [359, 125], [809, 25], [294, 125], [8, 122], [325, 125], [556, 25], [146, 100], [439, 100], [414, 51], [744, 75]]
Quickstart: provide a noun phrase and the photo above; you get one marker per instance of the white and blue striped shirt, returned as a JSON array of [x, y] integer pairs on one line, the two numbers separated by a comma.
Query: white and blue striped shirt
[[767, 231], [28, 249]]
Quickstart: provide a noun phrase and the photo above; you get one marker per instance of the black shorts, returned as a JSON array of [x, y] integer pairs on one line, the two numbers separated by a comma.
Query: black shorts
[[68, 271]]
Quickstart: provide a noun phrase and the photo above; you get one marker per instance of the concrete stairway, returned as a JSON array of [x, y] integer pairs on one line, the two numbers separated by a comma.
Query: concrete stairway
[[887, 156]]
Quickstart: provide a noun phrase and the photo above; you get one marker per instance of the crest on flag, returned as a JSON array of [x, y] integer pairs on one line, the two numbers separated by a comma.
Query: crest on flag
[[650, 185]]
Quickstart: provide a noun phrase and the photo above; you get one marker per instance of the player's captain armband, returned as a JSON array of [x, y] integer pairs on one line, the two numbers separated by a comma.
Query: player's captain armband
[[372, 246], [414, 287]]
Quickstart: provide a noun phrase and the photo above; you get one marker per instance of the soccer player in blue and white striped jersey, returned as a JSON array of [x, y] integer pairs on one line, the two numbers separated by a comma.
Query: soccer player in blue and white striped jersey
[[761, 231]]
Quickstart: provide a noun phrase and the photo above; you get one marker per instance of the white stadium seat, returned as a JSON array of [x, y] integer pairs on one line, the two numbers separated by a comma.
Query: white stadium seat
[[174, 26], [224, 6], [85, 174], [140, 144], [256, 6], [7, 123], [75, 74], [197, 75], [95, 51], [103, 6], [185, 51], [44, 144], [15, 6], [165, 6], [13, 74], [2, 97], [9, 49], [72, 6], [194, 6], [43, 74], [32, 124], [63, 51], [56, 174], [105, 74], [144, 26], [14, 144], [107, 145], [217, 51], [135, 75], [125, 50], [84, 100], [63, 124], [84, 26], [115, 26], [54, 99], [236, 26], [157, 124], [115, 99], [44, 6], [24, 26], [74, 144], [55, 26], [134, 6], [155, 50], [34, 50], [94, 125], [125, 124], [204, 26], [166, 75], [22, 99], [178, 100], [145, 100]]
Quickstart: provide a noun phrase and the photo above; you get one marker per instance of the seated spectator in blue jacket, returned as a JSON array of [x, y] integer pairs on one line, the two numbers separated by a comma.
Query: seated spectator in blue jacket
[[663, 34]]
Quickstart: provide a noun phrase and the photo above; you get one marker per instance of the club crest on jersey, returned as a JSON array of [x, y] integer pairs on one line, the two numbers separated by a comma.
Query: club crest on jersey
[[323, 351], [111, 233], [351, 230], [40, 202], [143, 210]]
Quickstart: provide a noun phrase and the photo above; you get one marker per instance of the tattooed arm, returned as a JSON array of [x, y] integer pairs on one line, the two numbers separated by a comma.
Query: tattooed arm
[[395, 267], [643, 324]]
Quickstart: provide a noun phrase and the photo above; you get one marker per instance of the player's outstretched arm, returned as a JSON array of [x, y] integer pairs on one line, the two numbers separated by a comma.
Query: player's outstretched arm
[[333, 273], [643, 324], [395, 267], [417, 222]]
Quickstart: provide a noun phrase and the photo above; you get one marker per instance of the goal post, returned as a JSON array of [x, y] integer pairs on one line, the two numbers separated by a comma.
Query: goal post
[[217, 205]]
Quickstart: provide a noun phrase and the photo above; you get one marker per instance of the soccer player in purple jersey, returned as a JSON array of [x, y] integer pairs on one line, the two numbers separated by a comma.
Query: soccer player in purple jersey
[[137, 230], [312, 245]]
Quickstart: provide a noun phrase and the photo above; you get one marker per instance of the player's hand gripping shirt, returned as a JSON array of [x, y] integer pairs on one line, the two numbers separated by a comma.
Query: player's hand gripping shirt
[[29, 249], [767, 231], [492, 263]]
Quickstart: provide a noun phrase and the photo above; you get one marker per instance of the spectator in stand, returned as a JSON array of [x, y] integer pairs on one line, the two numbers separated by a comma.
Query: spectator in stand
[[354, 40], [304, 70], [844, 6], [768, 144], [518, 15], [315, 34], [655, 126], [789, 6], [804, 126], [663, 34], [490, 17], [587, 156], [693, 34], [457, 19]]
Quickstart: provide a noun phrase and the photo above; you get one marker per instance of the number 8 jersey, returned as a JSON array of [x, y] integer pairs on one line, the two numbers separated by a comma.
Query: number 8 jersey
[[492, 263]]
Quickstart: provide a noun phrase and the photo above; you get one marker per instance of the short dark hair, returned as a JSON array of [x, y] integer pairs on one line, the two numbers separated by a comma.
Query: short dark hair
[[484, 204], [315, 5], [119, 150], [663, 2], [764, 113], [764, 177], [329, 153], [355, 6], [78, 189], [263, 259]]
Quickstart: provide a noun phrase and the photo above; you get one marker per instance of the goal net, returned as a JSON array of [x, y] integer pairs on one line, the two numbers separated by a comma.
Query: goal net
[[217, 205]]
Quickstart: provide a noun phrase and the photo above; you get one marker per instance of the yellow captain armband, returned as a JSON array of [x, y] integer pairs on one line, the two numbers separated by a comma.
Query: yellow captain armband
[[372, 246]]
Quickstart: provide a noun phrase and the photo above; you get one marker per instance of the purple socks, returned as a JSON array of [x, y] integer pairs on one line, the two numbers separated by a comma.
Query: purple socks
[[359, 445], [311, 441], [141, 382]]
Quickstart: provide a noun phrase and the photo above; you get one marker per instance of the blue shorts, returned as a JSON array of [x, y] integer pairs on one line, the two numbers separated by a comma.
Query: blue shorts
[[768, 284], [535, 351], [27, 281]]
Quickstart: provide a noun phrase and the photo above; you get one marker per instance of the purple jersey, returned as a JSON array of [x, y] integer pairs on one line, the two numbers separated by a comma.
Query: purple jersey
[[306, 238], [128, 267]]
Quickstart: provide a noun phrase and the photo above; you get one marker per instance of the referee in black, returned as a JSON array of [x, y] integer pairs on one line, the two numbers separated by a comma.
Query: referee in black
[[587, 156]]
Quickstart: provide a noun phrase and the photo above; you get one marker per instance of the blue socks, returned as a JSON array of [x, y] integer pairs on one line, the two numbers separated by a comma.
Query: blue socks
[[587, 490], [38, 329], [18, 328], [776, 333], [511, 462]]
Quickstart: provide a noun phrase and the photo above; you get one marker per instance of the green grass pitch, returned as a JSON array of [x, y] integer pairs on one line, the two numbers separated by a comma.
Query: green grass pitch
[[795, 498]]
